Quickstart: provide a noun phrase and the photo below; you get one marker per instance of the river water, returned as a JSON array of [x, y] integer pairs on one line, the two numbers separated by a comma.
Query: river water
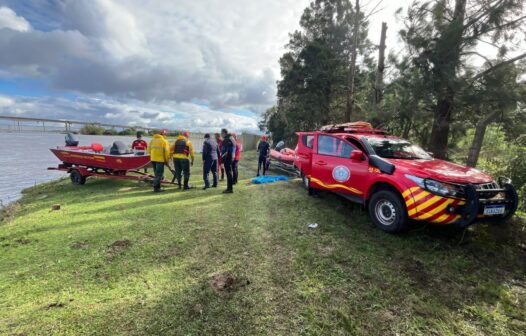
[[25, 158]]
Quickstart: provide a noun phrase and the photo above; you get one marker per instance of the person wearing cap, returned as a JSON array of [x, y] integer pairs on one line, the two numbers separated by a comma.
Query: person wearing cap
[[210, 156], [228, 153], [263, 150], [220, 166], [236, 158], [139, 146], [159, 150], [183, 156]]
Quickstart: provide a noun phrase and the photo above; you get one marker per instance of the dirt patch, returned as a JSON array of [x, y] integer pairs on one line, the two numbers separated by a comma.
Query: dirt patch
[[81, 245], [55, 305], [225, 283], [118, 247], [8, 212], [23, 241], [170, 253], [416, 271]]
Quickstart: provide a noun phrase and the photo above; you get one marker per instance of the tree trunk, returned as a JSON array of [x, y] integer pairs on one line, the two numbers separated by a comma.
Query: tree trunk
[[445, 92], [379, 81], [478, 139], [476, 144], [352, 70]]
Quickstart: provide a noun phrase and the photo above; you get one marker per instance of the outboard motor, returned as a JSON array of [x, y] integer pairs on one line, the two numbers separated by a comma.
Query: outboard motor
[[280, 145], [71, 140], [119, 148]]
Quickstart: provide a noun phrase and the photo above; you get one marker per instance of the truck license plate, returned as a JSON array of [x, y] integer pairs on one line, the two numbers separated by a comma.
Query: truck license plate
[[494, 209]]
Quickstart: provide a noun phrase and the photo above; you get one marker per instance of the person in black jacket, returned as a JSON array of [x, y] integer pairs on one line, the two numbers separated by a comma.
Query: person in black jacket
[[210, 156], [263, 149], [228, 153]]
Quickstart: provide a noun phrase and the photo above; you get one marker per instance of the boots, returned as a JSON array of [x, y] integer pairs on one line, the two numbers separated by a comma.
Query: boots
[[186, 186]]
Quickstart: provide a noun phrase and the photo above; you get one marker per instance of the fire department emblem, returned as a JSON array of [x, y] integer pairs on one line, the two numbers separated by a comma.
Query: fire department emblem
[[341, 173]]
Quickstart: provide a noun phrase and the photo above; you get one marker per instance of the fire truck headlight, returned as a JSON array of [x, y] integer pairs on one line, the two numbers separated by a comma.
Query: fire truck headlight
[[436, 187], [418, 180]]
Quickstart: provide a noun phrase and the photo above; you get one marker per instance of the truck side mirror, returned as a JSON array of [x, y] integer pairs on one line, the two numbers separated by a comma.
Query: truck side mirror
[[357, 155]]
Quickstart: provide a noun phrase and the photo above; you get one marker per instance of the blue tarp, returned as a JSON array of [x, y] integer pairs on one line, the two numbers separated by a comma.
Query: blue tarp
[[269, 179]]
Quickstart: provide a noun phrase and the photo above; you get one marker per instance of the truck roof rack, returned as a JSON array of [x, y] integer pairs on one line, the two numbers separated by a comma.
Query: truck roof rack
[[352, 127]]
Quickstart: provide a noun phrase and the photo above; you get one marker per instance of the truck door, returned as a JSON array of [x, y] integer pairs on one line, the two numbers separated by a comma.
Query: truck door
[[334, 170], [304, 152]]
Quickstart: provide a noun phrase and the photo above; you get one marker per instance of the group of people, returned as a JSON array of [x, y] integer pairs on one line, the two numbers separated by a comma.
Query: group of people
[[220, 155]]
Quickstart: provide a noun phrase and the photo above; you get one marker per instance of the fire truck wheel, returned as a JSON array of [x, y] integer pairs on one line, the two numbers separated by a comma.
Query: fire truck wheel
[[77, 178], [387, 211]]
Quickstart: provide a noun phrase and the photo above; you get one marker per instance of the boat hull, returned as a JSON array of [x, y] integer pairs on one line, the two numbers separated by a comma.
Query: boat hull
[[101, 160], [286, 156]]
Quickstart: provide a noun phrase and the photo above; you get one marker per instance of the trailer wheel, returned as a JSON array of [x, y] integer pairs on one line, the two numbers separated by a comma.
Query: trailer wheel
[[388, 212], [77, 178]]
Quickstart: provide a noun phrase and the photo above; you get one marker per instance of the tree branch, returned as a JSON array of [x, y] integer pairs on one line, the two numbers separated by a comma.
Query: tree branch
[[496, 66], [475, 20], [510, 23], [478, 54]]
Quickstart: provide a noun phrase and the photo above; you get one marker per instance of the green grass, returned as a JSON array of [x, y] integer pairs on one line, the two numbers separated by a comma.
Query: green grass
[[119, 259]]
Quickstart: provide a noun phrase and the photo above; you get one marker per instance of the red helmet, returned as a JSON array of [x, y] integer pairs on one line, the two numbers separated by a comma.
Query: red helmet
[[186, 134], [164, 132], [264, 137]]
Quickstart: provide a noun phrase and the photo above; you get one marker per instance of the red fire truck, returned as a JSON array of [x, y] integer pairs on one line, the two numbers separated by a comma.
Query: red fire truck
[[397, 180]]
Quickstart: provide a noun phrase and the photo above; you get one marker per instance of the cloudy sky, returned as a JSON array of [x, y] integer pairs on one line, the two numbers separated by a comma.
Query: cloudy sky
[[196, 64]]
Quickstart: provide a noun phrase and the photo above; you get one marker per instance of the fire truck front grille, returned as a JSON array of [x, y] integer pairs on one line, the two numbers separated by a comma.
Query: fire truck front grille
[[487, 190]]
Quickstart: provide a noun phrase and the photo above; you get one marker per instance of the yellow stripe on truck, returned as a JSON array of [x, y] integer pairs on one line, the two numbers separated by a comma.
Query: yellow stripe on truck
[[434, 211], [424, 205], [417, 198], [409, 191]]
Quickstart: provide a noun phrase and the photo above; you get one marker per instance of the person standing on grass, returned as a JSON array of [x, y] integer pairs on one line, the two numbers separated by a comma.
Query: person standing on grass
[[139, 146], [183, 156], [236, 158], [228, 154], [159, 150], [263, 150], [220, 166], [210, 157]]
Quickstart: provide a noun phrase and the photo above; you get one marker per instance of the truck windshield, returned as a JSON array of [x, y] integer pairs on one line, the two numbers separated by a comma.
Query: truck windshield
[[397, 149]]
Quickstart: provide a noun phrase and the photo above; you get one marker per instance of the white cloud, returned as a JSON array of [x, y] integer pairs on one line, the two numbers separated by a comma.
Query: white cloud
[[6, 101], [222, 53], [130, 112], [9, 19]]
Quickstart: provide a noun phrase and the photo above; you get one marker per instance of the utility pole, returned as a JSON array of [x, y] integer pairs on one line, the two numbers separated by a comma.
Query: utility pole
[[352, 71], [379, 81]]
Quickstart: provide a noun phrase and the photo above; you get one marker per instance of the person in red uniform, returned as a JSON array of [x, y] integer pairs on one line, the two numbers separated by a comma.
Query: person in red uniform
[[140, 146], [220, 165], [236, 158]]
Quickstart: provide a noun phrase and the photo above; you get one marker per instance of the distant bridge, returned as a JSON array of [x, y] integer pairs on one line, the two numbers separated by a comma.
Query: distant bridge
[[24, 124]]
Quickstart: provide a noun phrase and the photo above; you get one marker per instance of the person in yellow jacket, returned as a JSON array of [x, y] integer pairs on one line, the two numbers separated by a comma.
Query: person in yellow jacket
[[159, 150], [183, 151]]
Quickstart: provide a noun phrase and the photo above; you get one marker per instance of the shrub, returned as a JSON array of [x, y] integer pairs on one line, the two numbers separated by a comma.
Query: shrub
[[92, 130]]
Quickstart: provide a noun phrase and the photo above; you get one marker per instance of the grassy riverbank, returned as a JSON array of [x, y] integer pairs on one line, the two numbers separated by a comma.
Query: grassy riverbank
[[118, 259]]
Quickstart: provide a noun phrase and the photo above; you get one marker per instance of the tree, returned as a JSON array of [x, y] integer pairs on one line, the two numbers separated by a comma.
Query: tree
[[315, 70], [494, 99], [442, 37], [92, 129]]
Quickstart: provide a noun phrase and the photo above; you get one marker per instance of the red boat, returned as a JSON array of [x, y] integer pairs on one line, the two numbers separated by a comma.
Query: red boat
[[285, 155], [282, 158], [114, 162], [82, 156]]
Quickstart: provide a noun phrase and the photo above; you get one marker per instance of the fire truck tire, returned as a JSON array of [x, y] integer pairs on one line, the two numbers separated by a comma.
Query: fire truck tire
[[77, 178], [387, 211]]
